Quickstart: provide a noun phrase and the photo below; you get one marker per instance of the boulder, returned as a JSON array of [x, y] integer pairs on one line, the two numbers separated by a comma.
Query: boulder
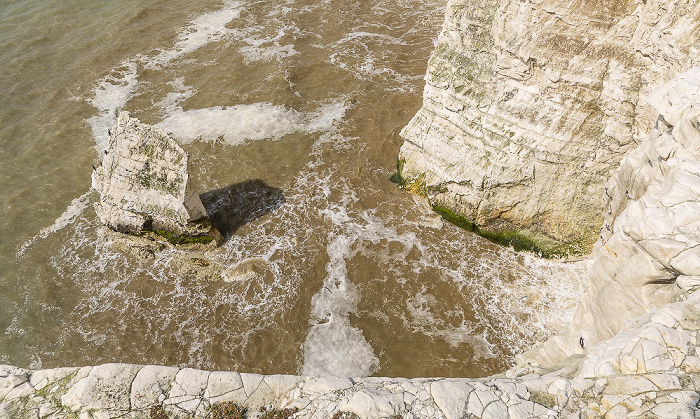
[[144, 186]]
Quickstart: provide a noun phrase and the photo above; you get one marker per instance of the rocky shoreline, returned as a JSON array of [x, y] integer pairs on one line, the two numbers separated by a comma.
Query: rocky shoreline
[[135, 391], [632, 350]]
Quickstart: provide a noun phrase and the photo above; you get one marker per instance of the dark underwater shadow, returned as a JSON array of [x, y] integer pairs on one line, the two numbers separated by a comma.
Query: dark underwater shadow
[[233, 206]]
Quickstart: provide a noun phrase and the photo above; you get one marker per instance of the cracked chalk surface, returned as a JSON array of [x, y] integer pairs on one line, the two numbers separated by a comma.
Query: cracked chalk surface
[[124, 390]]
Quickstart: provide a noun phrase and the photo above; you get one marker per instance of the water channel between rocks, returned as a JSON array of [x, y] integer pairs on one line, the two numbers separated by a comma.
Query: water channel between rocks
[[290, 112]]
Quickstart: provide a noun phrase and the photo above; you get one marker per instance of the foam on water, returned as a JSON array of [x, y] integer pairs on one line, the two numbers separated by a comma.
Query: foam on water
[[423, 320], [333, 346], [267, 48], [234, 125], [205, 29], [114, 91], [357, 53], [170, 103], [76, 207], [110, 96]]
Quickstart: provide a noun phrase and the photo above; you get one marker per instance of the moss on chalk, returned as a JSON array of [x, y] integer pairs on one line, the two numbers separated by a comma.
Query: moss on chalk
[[174, 238], [519, 240], [416, 186]]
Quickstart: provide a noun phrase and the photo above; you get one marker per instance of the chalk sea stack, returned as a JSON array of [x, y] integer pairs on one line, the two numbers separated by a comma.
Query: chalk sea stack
[[144, 186]]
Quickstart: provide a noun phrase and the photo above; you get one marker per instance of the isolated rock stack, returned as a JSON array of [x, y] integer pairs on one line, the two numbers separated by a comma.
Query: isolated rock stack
[[144, 186]]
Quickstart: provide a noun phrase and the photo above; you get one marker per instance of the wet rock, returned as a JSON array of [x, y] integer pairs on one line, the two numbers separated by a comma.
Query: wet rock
[[249, 269], [144, 185], [143, 247], [197, 267]]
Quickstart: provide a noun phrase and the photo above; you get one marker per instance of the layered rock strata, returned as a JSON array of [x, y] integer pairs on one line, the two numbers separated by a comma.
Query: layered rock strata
[[144, 185], [641, 309], [529, 106]]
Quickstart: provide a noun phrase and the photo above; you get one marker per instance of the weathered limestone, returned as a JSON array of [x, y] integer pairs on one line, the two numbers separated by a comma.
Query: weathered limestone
[[529, 106], [144, 185], [641, 309], [132, 391]]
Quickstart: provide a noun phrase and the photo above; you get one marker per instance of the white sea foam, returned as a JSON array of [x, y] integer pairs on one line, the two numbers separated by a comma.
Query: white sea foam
[[235, 125], [170, 103], [337, 348], [363, 53], [110, 95], [76, 207], [267, 53], [387, 39], [267, 48], [423, 320], [207, 28], [333, 346], [114, 91]]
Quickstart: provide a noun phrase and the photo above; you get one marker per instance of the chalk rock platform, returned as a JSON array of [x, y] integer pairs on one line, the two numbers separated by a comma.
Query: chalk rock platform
[[134, 391]]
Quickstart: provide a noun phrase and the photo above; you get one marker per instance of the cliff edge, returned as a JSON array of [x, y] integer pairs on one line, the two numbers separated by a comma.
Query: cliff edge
[[529, 106]]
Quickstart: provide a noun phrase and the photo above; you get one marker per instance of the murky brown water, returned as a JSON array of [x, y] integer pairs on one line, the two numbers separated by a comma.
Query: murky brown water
[[290, 112]]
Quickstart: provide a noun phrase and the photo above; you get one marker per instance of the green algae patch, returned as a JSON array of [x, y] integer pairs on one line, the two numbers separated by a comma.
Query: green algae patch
[[397, 177], [519, 240], [415, 186], [174, 238]]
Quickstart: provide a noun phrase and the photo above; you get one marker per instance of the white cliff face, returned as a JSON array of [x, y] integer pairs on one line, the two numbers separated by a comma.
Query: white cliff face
[[144, 182], [641, 309], [529, 106]]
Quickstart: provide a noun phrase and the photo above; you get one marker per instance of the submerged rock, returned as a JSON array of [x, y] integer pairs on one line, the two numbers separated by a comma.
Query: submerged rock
[[197, 267], [144, 186], [248, 270]]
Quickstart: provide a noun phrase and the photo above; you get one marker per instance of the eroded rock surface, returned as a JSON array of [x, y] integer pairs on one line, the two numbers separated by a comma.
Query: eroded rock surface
[[144, 185], [641, 309], [529, 106], [134, 391]]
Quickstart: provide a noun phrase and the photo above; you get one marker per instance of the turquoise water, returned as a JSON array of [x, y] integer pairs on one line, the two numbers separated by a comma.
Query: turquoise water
[[290, 112]]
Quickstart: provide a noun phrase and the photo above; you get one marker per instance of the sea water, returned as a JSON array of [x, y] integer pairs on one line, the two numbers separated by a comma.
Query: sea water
[[290, 111]]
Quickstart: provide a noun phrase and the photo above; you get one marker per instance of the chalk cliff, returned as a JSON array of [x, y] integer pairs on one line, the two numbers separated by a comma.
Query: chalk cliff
[[641, 309], [144, 185], [529, 106]]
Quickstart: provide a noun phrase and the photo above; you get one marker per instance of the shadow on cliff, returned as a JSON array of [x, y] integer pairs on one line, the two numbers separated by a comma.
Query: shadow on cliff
[[233, 206]]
